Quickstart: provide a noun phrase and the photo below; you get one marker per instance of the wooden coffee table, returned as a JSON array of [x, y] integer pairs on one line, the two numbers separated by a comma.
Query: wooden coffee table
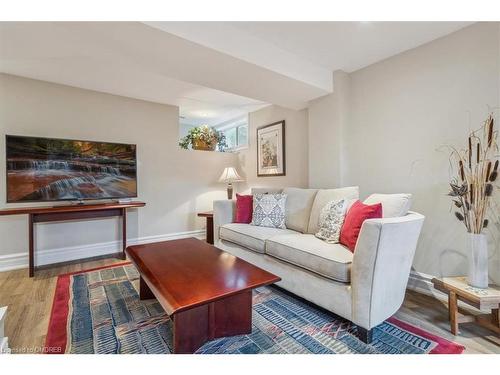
[[206, 292]]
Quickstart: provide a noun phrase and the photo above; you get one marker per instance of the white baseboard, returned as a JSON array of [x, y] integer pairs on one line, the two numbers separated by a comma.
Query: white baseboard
[[20, 260], [421, 283]]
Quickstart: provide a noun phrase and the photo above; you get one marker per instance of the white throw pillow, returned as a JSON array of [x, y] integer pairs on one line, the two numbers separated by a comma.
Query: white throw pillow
[[324, 196], [269, 210], [331, 219], [393, 205]]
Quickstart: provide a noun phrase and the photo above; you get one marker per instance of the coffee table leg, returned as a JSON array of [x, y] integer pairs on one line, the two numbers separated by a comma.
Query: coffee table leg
[[231, 316], [226, 317], [453, 310], [190, 329], [144, 291]]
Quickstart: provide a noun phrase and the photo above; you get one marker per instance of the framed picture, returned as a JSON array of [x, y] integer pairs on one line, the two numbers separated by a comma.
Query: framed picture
[[271, 150]]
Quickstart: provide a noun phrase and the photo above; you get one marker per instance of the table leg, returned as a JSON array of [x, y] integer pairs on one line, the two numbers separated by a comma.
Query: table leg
[[453, 310], [31, 246], [226, 317], [231, 316], [190, 329], [495, 317], [124, 232], [144, 291], [210, 230]]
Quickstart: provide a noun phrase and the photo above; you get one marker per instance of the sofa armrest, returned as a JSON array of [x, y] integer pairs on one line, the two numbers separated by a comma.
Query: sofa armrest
[[224, 212], [381, 266]]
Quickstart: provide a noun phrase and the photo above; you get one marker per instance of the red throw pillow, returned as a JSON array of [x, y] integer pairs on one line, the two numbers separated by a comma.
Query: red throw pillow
[[244, 208], [354, 219]]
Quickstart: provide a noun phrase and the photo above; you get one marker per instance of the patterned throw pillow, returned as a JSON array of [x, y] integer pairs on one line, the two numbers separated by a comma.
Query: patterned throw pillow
[[269, 210], [331, 219]]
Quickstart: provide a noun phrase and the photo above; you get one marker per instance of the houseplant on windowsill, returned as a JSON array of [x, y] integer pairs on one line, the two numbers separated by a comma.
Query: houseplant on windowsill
[[472, 188], [204, 138]]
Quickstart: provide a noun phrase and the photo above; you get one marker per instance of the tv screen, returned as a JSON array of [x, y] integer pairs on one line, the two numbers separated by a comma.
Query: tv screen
[[49, 169]]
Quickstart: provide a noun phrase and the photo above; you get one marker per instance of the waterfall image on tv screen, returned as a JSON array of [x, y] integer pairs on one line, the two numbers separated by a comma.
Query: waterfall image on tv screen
[[46, 169]]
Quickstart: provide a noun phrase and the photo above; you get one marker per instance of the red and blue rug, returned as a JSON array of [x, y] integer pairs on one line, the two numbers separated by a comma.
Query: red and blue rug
[[99, 311]]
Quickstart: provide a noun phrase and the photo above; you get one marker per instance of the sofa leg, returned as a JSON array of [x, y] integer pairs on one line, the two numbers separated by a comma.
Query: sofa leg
[[365, 335]]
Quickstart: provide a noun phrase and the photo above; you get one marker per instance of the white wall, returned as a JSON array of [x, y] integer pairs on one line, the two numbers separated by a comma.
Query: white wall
[[400, 112], [174, 183], [296, 138], [328, 116]]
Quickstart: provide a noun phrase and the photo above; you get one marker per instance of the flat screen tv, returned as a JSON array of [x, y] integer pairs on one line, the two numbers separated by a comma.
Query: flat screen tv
[[51, 169]]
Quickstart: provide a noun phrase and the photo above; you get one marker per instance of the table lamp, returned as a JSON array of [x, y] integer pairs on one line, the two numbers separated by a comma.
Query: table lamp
[[229, 176]]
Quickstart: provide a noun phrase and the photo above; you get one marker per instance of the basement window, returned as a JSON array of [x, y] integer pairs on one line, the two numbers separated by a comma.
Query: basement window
[[235, 131], [236, 136]]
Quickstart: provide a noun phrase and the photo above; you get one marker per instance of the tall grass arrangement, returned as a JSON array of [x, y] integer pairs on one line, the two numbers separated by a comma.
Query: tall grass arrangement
[[475, 171]]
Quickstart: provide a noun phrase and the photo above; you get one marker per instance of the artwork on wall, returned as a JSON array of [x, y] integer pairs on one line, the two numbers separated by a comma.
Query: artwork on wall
[[271, 150]]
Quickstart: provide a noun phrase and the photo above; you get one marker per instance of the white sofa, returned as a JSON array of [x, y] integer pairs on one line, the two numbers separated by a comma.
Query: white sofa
[[366, 287]]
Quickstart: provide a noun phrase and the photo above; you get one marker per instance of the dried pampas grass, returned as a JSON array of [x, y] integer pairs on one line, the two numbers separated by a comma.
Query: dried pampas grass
[[476, 170]]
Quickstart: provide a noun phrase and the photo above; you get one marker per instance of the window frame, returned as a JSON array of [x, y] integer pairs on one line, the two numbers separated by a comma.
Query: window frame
[[236, 126]]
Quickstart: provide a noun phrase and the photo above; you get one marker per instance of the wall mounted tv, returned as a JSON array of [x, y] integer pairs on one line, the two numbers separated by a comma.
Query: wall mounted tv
[[50, 169]]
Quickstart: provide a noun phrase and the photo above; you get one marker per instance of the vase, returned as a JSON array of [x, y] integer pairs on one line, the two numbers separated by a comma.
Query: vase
[[478, 261]]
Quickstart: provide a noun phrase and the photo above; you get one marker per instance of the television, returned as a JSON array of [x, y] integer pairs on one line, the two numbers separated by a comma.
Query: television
[[51, 169]]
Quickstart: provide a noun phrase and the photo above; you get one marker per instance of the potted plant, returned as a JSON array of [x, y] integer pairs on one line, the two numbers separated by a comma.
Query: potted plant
[[472, 188], [204, 138]]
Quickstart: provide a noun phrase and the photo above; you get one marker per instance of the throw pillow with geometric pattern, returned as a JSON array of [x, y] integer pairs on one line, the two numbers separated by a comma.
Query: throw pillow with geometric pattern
[[331, 219], [269, 210]]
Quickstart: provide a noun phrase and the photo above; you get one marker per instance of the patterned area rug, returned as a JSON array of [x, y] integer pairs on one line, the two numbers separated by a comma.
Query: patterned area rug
[[99, 311]]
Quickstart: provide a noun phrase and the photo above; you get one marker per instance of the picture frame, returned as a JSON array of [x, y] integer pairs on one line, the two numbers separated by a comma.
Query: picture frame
[[271, 150]]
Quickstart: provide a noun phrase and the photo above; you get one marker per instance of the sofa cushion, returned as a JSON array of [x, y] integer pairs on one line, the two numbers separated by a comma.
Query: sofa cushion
[[250, 236], [327, 195], [393, 205], [304, 250], [263, 190], [298, 208]]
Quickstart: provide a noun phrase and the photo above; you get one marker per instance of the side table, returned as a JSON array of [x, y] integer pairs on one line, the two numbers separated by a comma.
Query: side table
[[209, 215], [457, 289]]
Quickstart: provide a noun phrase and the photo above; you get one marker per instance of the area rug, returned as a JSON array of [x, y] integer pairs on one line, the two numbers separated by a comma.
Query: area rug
[[99, 311]]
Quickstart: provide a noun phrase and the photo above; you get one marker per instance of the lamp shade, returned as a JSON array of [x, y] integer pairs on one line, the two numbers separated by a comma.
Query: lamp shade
[[230, 175]]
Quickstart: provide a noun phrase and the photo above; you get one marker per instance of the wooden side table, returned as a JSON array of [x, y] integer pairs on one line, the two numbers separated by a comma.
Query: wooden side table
[[209, 215], [482, 299]]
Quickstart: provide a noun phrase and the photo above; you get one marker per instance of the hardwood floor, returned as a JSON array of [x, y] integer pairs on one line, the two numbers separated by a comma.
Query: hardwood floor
[[30, 302]]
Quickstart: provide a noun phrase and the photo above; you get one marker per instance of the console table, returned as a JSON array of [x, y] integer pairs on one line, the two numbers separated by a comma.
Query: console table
[[482, 299], [209, 215], [71, 212]]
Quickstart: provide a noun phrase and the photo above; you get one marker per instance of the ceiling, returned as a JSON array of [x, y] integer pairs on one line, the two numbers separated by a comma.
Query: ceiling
[[81, 56], [348, 46], [213, 71], [311, 51]]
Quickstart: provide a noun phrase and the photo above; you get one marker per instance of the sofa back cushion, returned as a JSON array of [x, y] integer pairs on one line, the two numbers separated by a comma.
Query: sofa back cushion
[[327, 195], [264, 190], [298, 208], [393, 205]]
